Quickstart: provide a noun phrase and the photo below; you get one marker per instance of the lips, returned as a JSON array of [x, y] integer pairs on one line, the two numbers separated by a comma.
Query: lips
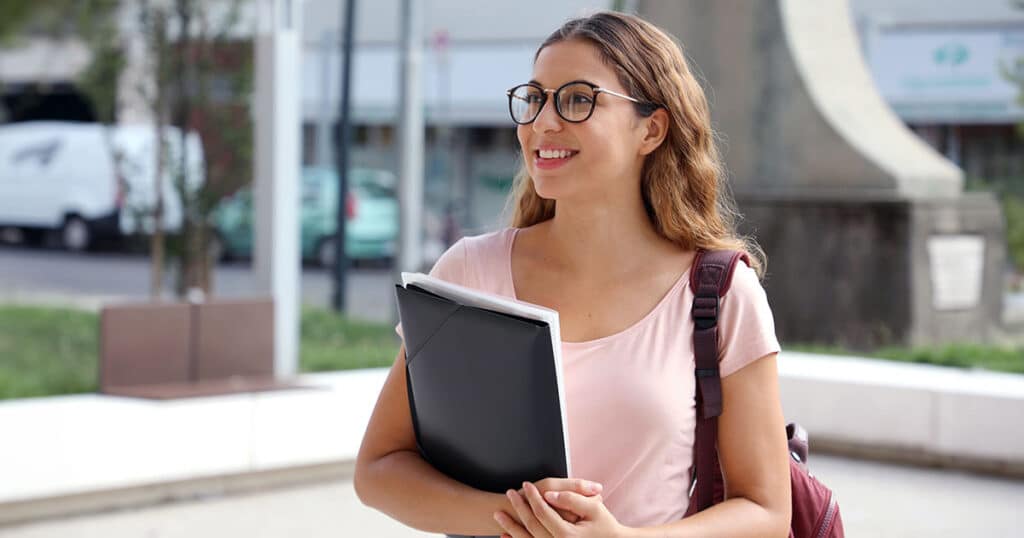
[[550, 158]]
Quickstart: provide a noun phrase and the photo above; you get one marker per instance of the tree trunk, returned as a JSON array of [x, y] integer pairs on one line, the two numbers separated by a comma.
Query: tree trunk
[[156, 241]]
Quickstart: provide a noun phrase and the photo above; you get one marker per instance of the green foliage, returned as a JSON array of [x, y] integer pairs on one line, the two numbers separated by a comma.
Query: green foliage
[[1011, 195], [99, 79], [50, 351], [1002, 359]]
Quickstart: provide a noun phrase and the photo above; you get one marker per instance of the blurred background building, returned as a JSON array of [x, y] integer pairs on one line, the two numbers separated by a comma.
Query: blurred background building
[[937, 64], [944, 66]]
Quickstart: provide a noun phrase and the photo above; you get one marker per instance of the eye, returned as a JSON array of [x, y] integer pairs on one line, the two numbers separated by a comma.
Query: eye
[[580, 99]]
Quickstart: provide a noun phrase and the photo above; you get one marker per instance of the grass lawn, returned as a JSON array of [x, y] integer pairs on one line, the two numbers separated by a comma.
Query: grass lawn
[[46, 351]]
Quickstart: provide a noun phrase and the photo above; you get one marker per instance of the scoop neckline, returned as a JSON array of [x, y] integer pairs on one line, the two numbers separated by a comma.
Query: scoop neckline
[[661, 305]]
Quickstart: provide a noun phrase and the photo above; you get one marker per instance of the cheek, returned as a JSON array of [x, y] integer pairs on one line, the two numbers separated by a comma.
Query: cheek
[[602, 147], [523, 134]]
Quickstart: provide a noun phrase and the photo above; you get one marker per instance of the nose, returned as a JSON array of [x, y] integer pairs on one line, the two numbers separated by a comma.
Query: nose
[[547, 119]]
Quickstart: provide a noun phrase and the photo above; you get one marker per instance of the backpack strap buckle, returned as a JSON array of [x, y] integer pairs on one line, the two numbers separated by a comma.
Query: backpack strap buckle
[[705, 311]]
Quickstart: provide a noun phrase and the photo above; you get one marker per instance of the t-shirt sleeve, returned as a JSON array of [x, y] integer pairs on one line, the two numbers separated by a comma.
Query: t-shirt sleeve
[[746, 326], [450, 267]]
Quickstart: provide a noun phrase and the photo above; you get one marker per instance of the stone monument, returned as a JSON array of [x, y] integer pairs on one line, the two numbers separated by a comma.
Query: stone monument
[[870, 238]]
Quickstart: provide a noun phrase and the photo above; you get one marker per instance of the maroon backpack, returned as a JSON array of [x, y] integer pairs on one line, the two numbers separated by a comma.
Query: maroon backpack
[[815, 511]]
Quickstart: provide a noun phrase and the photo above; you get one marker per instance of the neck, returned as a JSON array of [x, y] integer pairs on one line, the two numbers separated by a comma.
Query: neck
[[602, 238]]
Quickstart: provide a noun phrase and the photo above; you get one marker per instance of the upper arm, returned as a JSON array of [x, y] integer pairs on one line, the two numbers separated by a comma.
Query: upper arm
[[751, 429], [751, 436], [390, 428]]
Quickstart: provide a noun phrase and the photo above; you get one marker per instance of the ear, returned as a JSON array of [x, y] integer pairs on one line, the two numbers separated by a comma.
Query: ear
[[655, 129]]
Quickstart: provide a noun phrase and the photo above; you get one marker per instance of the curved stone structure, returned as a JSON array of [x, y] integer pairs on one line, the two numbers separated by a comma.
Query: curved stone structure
[[796, 105], [870, 238]]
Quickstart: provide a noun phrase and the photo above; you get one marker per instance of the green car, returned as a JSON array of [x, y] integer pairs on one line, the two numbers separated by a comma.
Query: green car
[[370, 231]]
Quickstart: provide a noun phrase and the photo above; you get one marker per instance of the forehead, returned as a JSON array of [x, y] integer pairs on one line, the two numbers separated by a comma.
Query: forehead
[[576, 59]]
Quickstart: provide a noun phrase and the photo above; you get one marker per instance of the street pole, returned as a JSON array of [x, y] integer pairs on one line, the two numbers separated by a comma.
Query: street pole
[[410, 193], [324, 135], [276, 198], [344, 140]]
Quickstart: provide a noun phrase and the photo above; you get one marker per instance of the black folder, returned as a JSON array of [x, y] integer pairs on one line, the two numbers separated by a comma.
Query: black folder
[[484, 391]]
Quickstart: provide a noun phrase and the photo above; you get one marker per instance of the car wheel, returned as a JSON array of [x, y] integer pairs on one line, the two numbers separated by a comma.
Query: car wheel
[[325, 253], [75, 235]]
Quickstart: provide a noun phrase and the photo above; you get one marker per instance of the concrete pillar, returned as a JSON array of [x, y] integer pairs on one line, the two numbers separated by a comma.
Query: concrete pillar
[[278, 134], [410, 158]]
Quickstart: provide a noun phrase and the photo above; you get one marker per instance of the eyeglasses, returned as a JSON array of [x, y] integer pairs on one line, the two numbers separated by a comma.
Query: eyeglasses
[[574, 101]]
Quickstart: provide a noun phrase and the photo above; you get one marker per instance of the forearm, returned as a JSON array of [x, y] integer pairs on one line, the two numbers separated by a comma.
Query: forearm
[[734, 518], [410, 490]]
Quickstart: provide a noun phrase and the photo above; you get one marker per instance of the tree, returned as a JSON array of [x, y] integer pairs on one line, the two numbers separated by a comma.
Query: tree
[[153, 23], [202, 59], [200, 80]]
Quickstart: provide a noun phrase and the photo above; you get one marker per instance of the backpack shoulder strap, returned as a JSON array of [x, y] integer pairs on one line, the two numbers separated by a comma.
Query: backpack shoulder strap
[[710, 278]]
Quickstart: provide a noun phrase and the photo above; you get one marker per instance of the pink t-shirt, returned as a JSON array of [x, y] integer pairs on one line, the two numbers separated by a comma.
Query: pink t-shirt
[[630, 395]]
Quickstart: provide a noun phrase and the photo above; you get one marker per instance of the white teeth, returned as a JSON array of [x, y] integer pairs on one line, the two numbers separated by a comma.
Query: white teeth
[[553, 154]]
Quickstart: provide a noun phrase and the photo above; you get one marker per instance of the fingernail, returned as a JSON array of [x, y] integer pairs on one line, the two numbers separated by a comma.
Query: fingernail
[[595, 487], [552, 495], [497, 517]]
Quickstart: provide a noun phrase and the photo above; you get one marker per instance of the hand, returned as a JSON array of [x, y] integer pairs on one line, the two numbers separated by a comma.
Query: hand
[[540, 520], [578, 485]]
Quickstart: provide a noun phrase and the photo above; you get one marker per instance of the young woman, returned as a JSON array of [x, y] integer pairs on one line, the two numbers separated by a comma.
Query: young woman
[[621, 185]]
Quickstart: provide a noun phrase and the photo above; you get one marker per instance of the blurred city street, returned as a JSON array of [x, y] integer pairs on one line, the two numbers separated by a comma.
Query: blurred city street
[[877, 500]]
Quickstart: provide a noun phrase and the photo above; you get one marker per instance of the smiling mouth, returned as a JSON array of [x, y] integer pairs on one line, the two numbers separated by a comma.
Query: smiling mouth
[[554, 155]]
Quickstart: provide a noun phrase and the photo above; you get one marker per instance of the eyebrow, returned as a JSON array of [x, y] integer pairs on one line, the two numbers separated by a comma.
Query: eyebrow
[[537, 82]]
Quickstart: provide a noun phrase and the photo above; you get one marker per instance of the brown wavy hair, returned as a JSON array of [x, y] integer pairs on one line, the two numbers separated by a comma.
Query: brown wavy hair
[[683, 180]]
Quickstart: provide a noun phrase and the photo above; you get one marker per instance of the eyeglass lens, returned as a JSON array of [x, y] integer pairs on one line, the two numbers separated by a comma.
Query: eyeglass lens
[[573, 102]]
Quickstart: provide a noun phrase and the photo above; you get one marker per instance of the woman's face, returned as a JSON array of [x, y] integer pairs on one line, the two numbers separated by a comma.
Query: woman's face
[[603, 151]]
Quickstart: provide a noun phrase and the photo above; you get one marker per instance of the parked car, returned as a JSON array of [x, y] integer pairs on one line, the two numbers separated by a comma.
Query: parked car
[[60, 176], [371, 227]]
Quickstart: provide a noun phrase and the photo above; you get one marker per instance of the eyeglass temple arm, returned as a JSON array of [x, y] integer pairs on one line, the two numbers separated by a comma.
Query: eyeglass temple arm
[[617, 94]]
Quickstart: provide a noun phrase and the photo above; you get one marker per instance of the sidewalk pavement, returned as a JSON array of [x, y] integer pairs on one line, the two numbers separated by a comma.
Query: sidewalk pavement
[[89, 453], [877, 500]]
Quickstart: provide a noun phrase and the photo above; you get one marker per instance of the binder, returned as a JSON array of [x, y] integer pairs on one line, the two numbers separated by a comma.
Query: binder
[[484, 379]]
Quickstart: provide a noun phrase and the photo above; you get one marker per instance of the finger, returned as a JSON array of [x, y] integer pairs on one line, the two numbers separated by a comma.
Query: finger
[[544, 512], [509, 525], [583, 487], [579, 504], [579, 485], [566, 515], [526, 516]]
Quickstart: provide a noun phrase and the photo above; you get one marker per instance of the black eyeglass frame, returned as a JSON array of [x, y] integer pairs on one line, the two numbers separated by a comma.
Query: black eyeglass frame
[[646, 108]]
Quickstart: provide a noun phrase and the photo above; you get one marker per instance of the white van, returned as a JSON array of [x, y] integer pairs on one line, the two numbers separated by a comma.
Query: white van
[[60, 176]]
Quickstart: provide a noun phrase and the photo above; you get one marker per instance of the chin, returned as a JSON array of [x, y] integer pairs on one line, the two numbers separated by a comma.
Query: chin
[[551, 188]]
